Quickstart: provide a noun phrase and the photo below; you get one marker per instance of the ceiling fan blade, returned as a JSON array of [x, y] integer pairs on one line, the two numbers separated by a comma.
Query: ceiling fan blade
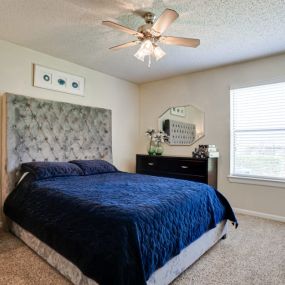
[[122, 28], [129, 44], [164, 21], [180, 41]]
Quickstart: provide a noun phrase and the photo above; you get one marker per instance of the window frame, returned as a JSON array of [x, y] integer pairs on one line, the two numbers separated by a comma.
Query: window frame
[[243, 179]]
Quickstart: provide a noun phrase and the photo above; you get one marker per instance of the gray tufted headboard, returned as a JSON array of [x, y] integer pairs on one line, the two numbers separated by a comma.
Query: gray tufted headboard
[[41, 130]]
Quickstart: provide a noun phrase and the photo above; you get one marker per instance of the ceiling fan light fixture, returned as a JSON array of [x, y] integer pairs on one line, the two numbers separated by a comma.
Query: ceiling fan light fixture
[[149, 49], [147, 46], [140, 54], [146, 49], [158, 53]]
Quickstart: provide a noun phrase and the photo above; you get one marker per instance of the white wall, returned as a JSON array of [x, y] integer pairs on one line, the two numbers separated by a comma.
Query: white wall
[[101, 90], [209, 90]]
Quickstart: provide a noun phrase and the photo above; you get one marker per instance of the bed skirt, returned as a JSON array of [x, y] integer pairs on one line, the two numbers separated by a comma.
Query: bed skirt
[[163, 276]]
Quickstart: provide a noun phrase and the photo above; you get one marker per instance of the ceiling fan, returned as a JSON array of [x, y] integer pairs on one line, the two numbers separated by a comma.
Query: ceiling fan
[[150, 34]]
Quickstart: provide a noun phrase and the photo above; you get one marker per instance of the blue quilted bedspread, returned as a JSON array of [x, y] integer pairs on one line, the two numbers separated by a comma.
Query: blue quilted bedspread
[[118, 228]]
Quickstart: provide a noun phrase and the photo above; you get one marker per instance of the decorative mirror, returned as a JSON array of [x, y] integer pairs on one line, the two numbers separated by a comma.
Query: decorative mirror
[[184, 125]]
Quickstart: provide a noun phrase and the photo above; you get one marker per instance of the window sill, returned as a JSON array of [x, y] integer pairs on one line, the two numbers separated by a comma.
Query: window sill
[[257, 181]]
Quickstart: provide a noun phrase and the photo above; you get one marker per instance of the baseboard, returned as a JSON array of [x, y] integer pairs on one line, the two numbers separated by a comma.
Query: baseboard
[[260, 215]]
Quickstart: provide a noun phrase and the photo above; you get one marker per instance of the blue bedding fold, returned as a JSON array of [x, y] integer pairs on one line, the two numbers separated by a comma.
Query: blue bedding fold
[[118, 228]]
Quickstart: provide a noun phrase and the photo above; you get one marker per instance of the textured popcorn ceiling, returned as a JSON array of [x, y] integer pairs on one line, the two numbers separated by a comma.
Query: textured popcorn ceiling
[[230, 31]]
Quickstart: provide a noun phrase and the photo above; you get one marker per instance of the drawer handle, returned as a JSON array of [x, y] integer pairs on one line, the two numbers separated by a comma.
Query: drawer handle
[[184, 166], [150, 163]]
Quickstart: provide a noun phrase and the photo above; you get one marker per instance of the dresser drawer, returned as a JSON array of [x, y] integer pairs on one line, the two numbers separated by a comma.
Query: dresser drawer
[[185, 166], [147, 163]]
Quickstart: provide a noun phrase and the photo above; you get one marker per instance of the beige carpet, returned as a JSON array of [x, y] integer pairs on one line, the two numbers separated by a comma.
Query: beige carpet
[[252, 254]]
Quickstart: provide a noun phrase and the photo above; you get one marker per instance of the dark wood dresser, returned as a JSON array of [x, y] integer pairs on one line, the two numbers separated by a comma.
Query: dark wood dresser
[[197, 169]]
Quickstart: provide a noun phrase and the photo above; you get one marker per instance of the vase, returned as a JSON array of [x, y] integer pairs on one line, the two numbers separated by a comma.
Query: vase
[[159, 148], [151, 149]]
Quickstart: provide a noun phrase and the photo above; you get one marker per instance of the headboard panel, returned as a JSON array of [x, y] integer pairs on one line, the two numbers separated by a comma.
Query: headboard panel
[[41, 130]]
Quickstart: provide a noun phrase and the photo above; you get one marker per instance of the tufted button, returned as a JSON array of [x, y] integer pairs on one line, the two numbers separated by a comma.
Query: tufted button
[[46, 139], [51, 148]]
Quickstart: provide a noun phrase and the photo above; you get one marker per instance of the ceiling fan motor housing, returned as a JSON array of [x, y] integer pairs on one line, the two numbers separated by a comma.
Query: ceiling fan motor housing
[[146, 30], [149, 17]]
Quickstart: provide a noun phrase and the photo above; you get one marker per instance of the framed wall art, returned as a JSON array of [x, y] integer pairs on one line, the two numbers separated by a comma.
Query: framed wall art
[[48, 78], [178, 111]]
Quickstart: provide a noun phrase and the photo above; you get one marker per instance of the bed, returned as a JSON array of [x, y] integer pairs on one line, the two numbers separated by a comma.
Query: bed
[[106, 226]]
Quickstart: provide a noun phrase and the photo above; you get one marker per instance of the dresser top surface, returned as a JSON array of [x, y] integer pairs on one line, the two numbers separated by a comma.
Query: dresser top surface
[[174, 156]]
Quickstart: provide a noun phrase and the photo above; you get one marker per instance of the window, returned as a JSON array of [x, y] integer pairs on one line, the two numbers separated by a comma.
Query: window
[[258, 132]]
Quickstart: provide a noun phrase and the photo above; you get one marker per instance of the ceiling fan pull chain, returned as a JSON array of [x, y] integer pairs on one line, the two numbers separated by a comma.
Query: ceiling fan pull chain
[[149, 60]]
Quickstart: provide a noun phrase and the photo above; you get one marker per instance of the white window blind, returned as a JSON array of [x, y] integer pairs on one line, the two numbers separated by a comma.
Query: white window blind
[[258, 132]]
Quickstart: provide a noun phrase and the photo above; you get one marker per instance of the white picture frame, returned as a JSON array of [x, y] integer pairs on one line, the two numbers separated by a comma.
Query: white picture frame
[[52, 79]]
